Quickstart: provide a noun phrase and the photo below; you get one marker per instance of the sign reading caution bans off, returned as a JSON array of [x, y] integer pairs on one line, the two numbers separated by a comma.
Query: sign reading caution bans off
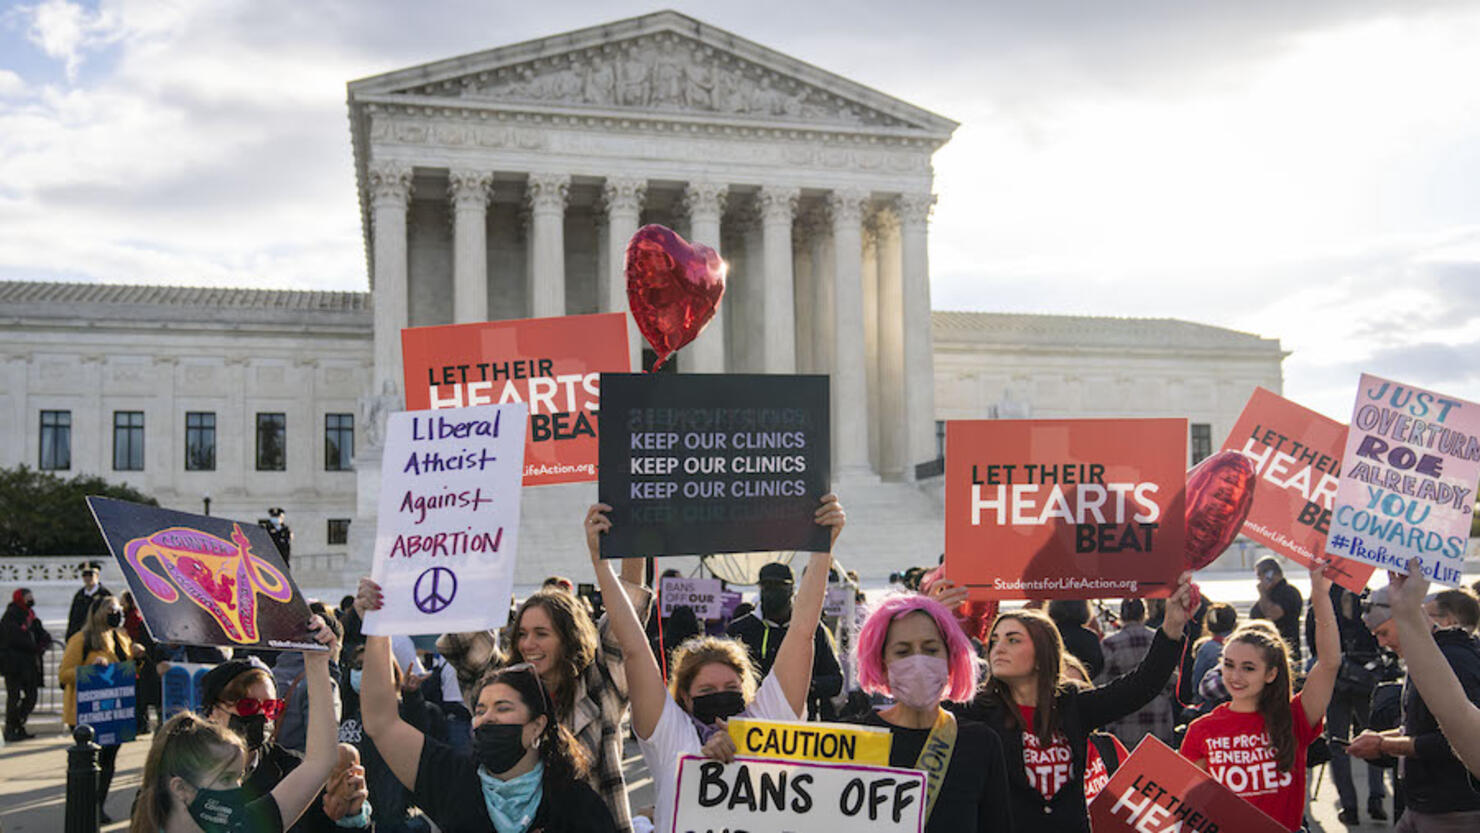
[[826, 742]]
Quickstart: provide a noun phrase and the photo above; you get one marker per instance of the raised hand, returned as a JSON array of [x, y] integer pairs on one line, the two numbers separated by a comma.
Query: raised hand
[[1406, 593], [1179, 607], [830, 514], [368, 597], [596, 524]]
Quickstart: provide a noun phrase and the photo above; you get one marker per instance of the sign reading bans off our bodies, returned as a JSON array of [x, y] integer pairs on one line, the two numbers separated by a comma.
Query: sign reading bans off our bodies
[[693, 465], [1065, 508], [761, 796], [1407, 489], [552, 365], [448, 523]]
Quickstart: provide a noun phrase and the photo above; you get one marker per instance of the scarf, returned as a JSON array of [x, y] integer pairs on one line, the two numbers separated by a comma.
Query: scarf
[[18, 598], [512, 804]]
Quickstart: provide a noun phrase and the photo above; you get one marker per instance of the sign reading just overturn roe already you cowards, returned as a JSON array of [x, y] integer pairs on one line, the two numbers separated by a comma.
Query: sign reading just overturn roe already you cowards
[[551, 364], [1065, 508], [1408, 480]]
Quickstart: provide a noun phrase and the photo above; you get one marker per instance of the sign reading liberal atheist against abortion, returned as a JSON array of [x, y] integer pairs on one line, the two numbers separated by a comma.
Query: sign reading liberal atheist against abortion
[[1065, 508], [1156, 790], [698, 464], [766, 796], [448, 523], [203, 580], [552, 365], [1412, 462]]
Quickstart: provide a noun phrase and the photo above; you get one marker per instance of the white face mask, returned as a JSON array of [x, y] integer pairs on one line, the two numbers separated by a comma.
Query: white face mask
[[918, 680]]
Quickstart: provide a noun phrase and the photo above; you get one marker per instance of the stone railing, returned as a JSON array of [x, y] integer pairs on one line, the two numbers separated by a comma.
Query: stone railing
[[52, 570]]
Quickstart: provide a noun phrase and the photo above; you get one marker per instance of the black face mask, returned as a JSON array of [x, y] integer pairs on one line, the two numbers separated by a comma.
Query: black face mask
[[718, 705], [115, 619], [499, 746], [30, 602], [220, 811], [253, 729], [776, 603]]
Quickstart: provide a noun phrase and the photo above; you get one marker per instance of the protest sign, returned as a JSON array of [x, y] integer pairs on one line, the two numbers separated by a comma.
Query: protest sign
[[1296, 454], [550, 364], [203, 580], [179, 687], [841, 743], [693, 465], [699, 594], [105, 701], [760, 796], [448, 527], [838, 601], [1065, 508], [1156, 790], [728, 601], [1411, 464]]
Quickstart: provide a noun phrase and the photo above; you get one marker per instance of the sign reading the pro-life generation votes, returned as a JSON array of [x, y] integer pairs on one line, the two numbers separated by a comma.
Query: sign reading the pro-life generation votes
[[1065, 508], [762, 796], [448, 525], [552, 365], [105, 701], [702, 595], [203, 580], [1296, 454], [1412, 462], [694, 464], [1158, 791]]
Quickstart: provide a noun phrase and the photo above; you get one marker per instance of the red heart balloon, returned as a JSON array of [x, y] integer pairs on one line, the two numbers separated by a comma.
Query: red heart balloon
[[1220, 492], [673, 288]]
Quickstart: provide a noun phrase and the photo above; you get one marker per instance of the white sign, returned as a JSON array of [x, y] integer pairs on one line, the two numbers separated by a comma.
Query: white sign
[[838, 601], [448, 527], [765, 796], [701, 594]]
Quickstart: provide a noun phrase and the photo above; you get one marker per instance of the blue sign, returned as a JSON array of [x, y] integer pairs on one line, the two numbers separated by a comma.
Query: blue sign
[[105, 701], [180, 687]]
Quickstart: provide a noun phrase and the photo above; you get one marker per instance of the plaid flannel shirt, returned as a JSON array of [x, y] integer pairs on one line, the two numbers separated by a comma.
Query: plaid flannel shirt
[[1123, 652]]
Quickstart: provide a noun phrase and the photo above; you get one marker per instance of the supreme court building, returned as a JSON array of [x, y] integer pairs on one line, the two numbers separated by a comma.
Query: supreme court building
[[505, 184]]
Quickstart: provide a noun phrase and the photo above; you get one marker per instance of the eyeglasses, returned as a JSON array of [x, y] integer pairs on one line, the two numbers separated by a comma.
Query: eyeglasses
[[248, 706], [539, 684]]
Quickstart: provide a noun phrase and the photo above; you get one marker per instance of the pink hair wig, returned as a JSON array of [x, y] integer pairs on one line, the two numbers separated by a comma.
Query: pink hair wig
[[871, 638]]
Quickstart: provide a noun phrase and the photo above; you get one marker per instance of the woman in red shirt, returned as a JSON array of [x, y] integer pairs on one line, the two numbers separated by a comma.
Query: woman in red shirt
[[1255, 745]]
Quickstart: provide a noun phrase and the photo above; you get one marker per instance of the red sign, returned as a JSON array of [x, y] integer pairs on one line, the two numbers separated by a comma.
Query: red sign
[[1158, 791], [1297, 459], [553, 364], [1065, 508]]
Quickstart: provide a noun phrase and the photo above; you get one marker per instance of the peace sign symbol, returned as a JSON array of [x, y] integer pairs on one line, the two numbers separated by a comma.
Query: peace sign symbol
[[434, 589]]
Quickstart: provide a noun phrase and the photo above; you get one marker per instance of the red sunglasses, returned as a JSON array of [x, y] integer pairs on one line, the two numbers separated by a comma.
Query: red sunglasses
[[248, 706]]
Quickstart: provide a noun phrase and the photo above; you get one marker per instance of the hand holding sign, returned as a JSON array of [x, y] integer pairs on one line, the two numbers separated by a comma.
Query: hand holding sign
[[1179, 607]]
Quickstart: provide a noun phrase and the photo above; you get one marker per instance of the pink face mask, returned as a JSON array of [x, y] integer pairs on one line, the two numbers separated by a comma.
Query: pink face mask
[[918, 680]]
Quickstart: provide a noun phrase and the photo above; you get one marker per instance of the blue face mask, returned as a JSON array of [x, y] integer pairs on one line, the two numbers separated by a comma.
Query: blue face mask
[[354, 678], [512, 804]]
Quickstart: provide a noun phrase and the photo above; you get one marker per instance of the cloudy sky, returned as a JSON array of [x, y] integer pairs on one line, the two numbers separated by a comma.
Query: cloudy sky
[[1308, 171]]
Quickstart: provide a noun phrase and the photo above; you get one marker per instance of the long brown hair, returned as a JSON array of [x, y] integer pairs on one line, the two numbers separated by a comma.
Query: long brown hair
[[186, 746], [565, 759], [1048, 656], [578, 640], [1274, 700]]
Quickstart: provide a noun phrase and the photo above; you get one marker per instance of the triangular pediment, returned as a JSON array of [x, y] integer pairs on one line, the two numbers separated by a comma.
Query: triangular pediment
[[662, 63]]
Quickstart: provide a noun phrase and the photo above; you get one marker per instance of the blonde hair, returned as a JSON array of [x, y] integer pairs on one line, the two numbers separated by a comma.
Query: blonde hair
[[185, 746], [695, 653]]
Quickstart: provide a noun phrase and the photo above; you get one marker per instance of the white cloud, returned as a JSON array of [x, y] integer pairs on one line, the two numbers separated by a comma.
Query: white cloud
[[67, 30], [11, 84]]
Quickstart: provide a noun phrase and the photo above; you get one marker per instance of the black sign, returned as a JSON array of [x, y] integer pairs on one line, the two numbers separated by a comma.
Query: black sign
[[203, 580], [694, 464]]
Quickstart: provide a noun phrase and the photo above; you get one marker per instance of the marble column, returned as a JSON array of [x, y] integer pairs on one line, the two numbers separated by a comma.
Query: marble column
[[390, 193], [823, 265], [893, 442], [849, 382], [869, 285], [778, 205], [469, 191], [919, 375], [805, 295], [547, 194], [623, 198], [703, 203]]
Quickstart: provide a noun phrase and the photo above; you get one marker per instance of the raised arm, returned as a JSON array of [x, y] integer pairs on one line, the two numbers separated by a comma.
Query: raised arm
[[644, 680], [1121, 696], [793, 665], [300, 787], [398, 741], [1321, 679], [1430, 671]]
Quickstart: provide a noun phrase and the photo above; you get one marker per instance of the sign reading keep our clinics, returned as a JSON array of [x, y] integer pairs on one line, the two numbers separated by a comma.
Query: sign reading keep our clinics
[[1411, 465], [448, 524], [761, 796]]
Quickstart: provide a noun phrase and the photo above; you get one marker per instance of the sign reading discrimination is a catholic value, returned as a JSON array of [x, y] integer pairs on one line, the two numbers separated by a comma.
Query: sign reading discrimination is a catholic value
[[203, 580], [695, 464], [761, 796], [552, 365], [1158, 791], [448, 525], [105, 701], [1408, 487], [1296, 454], [1065, 508]]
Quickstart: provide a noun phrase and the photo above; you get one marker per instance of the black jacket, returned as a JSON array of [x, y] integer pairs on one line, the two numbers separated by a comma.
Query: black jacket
[[1434, 781], [21, 645], [764, 641], [81, 602], [1080, 713], [273, 765]]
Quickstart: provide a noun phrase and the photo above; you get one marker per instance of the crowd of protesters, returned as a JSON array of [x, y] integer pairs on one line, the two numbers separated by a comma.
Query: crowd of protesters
[[522, 728]]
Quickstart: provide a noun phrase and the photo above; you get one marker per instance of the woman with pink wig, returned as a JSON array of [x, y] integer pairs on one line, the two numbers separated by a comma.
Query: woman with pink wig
[[911, 649]]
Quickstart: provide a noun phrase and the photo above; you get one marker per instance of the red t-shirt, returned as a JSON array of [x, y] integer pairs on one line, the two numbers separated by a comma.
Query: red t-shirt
[[1096, 773], [1240, 756], [1047, 767]]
